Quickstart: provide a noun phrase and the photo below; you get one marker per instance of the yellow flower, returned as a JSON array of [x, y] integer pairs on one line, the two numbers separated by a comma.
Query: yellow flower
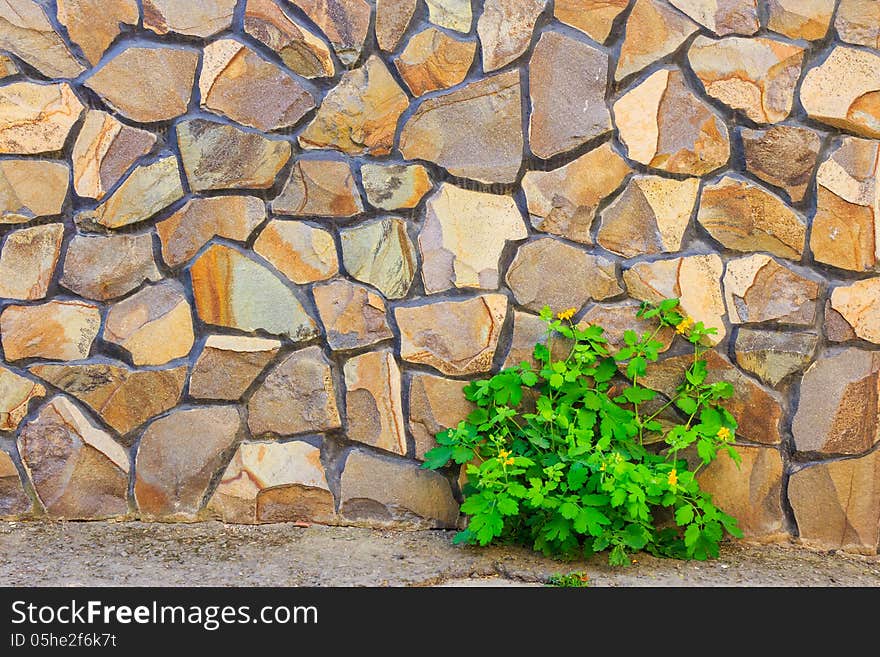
[[503, 454], [684, 325], [723, 433], [673, 478], [568, 313], [508, 461], [602, 467]]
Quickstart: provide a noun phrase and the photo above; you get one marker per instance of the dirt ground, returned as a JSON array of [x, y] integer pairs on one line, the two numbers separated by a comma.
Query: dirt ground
[[213, 554]]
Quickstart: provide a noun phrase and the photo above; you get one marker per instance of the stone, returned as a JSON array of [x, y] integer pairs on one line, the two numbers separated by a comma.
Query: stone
[[274, 482], [451, 14], [104, 267], [230, 289], [454, 337], [392, 19], [567, 80], [373, 401], [653, 30], [858, 22], [37, 118], [302, 51], [104, 150], [835, 326], [8, 68], [750, 492], [800, 19], [858, 304], [78, 471], [846, 225], [229, 364], [744, 216], [55, 330], [301, 252], [782, 155], [16, 393], [296, 397], [153, 325], [529, 330], [27, 261], [236, 82], [595, 18], [434, 60], [694, 280], [435, 404], [200, 220], [26, 32], [664, 125], [617, 318], [13, 500], [547, 272], [380, 253], [122, 397], [220, 156], [344, 23], [755, 76], [94, 24], [829, 515], [148, 189], [395, 186], [31, 188], [773, 356], [203, 18], [323, 188], [473, 132], [463, 237], [723, 17], [844, 91], [353, 316], [505, 28], [161, 89], [392, 492], [178, 457], [757, 288], [651, 215], [359, 115], [564, 201]]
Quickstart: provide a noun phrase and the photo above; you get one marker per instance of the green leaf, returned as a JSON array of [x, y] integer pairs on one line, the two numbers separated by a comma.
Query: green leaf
[[507, 506], [639, 395], [546, 313], [668, 304], [635, 536], [687, 405], [637, 367], [684, 515], [556, 381], [478, 416], [691, 534], [592, 499], [529, 378], [541, 353], [706, 450], [696, 374], [630, 337], [605, 371], [711, 420], [437, 457], [590, 520], [569, 510], [462, 454], [577, 476]]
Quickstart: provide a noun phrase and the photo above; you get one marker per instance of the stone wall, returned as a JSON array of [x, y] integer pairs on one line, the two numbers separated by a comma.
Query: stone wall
[[252, 249]]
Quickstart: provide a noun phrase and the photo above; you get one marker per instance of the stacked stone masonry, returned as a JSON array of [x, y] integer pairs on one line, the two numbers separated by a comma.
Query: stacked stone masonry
[[253, 249]]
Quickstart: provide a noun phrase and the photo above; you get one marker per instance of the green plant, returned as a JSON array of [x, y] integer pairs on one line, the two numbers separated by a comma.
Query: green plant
[[576, 455], [578, 579]]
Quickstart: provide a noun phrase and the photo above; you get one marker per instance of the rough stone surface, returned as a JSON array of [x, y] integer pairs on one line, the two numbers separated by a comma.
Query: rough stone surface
[[94, 24], [451, 14], [373, 401], [772, 356], [353, 316], [26, 32], [8, 67], [178, 456], [592, 17], [302, 51], [55, 330], [104, 267], [454, 337], [30, 189], [434, 60], [529, 330], [858, 21], [301, 252], [617, 318], [203, 18], [835, 326], [395, 186], [16, 392], [723, 17], [36, 118], [653, 29], [229, 364], [435, 404], [782, 155], [858, 304], [505, 28], [758, 288], [392, 19], [324, 188], [380, 253], [297, 396], [13, 500], [345, 24], [27, 261], [800, 19], [147, 190]]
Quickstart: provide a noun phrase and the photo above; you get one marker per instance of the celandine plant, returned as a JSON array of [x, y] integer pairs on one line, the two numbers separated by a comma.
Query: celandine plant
[[572, 456]]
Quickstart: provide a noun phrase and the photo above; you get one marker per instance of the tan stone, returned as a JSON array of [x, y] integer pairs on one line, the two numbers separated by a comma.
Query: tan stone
[[373, 401], [344, 23], [161, 88], [505, 28], [664, 125], [529, 330], [229, 364], [755, 76], [16, 392], [435, 60], [27, 261], [178, 457], [435, 404], [122, 397], [31, 189], [617, 318], [694, 280], [296, 397], [352, 315], [844, 91], [230, 289], [94, 24], [858, 21], [14, 502], [757, 288], [592, 17], [828, 513], [548, 272], [201, 219], [395, 186], [451, 14], [455, 337], [473, 132], [8, 67], [859, 306], [324, 188], [773, 355], [392, 19], [148, 189], [26, 32], [380, 253], [36, 117], [302, 51], [653, 30], [104, 150], [463, 236], [55, 330], [723, 17], [835, 326], [301, 252], [104, 267], [800, 19], [202, 18], [650, 216], [782, 155], [567, 80]]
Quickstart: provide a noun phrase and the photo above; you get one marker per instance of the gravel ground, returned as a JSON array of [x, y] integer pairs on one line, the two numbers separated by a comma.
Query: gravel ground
[[213, 554]]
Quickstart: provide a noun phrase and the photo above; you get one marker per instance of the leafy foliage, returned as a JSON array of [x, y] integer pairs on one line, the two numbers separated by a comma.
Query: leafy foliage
[[578, 579]]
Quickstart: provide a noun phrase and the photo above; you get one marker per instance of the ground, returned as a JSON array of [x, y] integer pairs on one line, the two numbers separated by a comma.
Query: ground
[[213, 554]]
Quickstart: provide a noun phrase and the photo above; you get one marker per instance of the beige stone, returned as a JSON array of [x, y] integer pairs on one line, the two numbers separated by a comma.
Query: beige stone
[[800, 19], [55, 330], [392, 19], [380, 252], [324, 188], [14, 502], [94, 24], [529, 330], [353, 316], [859, 306], [36, 117], [16, 393], [723, 17], [229, 364], [8, 68], [28, 260], [858, 21], [148, 189], [653, 30], [617, 318], [301, 252], [592, 17], [782, 155], [344, 23], [104, 267], [302, 51], [435, 60], [26, 32], [435, 404], [451, 14], [757, 288], [31, 188], [373, 401], [505, 28], [395, 186], [774, 355], [201, 18]]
